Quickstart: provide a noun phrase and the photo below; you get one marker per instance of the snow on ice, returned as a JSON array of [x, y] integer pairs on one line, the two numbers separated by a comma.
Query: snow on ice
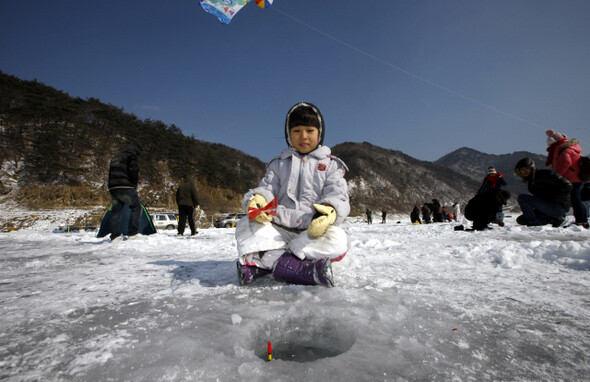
[[410, 303]]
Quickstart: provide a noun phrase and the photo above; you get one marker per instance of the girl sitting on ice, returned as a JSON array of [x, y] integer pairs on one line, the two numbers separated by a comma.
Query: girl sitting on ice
[[293, 228]]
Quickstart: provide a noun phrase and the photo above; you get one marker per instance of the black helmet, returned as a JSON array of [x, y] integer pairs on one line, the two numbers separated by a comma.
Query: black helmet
[[525, 162], [305, 114]]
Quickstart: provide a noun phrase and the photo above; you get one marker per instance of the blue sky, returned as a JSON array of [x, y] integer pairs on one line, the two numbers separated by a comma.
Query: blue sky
[[421, 76]]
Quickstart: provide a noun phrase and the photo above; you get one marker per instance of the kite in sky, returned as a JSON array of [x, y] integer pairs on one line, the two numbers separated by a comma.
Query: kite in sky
[[226, 9]]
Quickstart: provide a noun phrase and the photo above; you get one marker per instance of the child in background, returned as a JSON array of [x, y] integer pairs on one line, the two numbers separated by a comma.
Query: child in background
[[294, 227]]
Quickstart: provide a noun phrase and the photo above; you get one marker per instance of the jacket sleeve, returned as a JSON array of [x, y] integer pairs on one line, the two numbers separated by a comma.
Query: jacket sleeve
[[563, 189], [268, 186], [552, 187], [566, 163], [133, 169], [335, 191], [483, 187]]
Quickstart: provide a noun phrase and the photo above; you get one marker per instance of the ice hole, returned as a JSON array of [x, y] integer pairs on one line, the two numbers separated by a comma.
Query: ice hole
[[304, 339]]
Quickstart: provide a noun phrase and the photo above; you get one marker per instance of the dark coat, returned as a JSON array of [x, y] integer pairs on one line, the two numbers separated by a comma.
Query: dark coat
[[186, 194], [415, 215], [550, 186], [586, 192], [491, 182], [426, 214], [482, 208], [124, 169]]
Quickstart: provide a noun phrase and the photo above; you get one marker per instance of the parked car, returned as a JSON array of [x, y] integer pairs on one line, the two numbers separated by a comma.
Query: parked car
[[229, 221], [165, 220]]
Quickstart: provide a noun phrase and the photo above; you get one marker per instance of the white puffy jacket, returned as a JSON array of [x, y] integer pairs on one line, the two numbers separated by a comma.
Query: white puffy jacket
[[299, 181]]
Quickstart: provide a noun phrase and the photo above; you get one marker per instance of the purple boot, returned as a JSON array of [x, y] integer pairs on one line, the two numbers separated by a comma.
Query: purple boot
[[292, 270], [247, 273]]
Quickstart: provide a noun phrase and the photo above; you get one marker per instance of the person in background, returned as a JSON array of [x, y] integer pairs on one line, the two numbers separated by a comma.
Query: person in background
[[493, 180], [383, 216], [415, 216], [426, 214], [456, 211], [123, 179], [586, 196], [482, 209], [437, 212], [563, 156], [369, 214], [550, 199], [187, 200]]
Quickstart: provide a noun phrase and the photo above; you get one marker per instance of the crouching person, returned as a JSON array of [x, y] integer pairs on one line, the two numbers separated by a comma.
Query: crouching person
[[294, 225], [549, 200], [483, 208]]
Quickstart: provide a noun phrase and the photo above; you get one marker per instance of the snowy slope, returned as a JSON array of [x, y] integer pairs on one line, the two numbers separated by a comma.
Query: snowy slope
[[411, 303]]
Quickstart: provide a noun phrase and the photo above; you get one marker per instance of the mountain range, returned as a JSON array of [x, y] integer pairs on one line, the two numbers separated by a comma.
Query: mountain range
[[56, 149]]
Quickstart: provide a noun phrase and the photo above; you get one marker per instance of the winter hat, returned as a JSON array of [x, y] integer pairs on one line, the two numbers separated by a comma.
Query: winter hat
[[553, 137], [492, 171], [525, 162], [304, 114]]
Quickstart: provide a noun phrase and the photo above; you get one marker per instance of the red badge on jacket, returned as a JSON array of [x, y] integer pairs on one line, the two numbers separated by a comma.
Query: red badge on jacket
[[322, 167]]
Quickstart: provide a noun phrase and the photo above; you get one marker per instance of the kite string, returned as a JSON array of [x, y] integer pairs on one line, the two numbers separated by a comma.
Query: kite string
[[448, 90]]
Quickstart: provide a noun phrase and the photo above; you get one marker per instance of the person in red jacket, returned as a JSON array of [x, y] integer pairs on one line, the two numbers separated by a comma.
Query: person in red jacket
[[564, 156], [494, 180]]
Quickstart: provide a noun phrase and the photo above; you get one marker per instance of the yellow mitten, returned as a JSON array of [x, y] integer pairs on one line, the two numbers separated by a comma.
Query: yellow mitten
[[324, 218], [258, 201]]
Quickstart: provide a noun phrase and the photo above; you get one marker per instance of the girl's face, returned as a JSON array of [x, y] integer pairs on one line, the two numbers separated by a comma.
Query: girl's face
[[525, 171], [304, 138]]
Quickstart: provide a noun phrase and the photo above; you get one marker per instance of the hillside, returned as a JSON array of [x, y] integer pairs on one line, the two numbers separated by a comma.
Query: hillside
[[55, 151], [387, 179]]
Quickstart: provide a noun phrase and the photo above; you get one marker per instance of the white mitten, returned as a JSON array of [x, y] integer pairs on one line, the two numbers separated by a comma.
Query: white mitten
[[324, 218]]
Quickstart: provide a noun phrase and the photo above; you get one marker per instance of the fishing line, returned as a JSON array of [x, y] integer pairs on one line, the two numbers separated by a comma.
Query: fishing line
[[378, 59]]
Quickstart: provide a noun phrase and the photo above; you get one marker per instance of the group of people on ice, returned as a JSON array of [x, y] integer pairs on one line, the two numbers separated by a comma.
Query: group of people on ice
[[122, 183], [554, 191], [294, 228], [551, 191], [369, 215], [434, 212]]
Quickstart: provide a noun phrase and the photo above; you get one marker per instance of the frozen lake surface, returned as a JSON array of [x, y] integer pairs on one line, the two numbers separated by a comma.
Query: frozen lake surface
[[410, 303]]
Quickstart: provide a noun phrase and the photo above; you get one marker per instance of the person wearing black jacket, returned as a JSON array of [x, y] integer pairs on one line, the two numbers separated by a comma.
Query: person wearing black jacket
[[123, 179], [483, 208], [415, 216], [550, 199], [426, 214], [187, 200]]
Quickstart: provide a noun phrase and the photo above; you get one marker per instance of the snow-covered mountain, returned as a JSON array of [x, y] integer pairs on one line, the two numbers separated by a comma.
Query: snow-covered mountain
[[386, 179]]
